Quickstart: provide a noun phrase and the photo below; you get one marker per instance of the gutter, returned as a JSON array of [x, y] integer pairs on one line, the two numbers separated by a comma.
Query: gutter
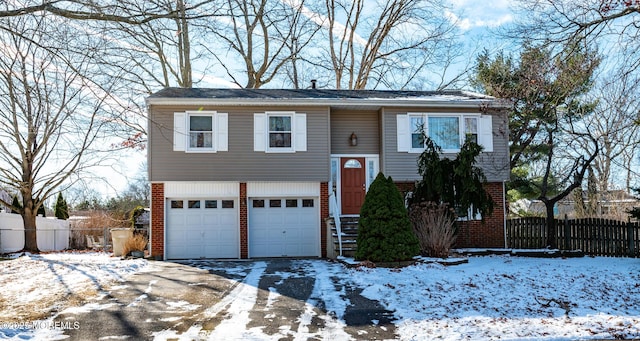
[[505, 211], [287, 102]]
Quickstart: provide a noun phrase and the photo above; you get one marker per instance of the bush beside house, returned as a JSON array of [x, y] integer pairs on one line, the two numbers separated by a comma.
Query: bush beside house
[[384, 228]]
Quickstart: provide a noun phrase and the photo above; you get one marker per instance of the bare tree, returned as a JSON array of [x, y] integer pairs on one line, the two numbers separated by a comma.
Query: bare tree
[[385, 43], [263, 36], [610, 24], [614, 122], [108, 11], [51, 115]]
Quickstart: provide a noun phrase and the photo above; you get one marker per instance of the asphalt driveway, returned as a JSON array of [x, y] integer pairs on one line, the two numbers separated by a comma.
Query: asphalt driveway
[[278, 299]]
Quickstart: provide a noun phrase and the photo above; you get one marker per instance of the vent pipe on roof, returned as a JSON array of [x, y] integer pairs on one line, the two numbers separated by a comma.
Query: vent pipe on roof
[[313, 83]]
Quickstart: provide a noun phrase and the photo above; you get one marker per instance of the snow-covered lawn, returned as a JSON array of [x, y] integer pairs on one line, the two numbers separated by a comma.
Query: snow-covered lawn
[[491, 297], [34, 286], [511, 298]]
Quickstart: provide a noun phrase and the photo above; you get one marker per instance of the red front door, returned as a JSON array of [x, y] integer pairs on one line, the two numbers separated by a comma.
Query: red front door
[[352, 177]]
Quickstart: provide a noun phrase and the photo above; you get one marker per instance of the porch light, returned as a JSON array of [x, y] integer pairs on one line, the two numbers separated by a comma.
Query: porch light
[[353, 139]]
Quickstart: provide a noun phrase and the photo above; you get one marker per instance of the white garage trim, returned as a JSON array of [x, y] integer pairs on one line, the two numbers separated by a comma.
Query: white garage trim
[[283, 189], [201, 189]]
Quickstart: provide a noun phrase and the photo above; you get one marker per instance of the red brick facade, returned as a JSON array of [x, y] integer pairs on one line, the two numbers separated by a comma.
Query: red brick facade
[[157, 220], [476, 233], [487, 233]]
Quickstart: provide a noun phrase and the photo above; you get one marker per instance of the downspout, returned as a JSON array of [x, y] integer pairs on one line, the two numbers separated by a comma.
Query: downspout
[[504, 212]]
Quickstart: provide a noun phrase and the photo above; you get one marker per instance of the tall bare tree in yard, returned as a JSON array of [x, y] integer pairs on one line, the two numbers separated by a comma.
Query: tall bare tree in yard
[[615, 121], [51, 114], [385, 43]]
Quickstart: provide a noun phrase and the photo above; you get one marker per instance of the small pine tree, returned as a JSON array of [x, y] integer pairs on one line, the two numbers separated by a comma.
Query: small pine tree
[[42, 211], [15, 205], [61, 210], [384, 228]]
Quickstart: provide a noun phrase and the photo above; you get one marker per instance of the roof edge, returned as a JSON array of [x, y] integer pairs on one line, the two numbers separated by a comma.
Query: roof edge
[[393, 102]]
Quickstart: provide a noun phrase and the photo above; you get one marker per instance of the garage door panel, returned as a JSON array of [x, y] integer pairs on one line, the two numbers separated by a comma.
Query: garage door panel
[[292, 218], [283, 227], [193, 220], [267, 250], [202, 229]]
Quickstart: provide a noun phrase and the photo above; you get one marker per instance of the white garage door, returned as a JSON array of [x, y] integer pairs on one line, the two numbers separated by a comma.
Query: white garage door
[[202, 228], [284, 227]]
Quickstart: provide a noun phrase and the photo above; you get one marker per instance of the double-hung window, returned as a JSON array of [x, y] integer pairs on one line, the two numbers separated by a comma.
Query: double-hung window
[[417, 131], [200, 131], [280, 132], [471, 129], [449, 131]]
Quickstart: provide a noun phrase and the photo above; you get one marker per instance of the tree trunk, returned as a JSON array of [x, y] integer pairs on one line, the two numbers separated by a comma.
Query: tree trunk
[[30, 240], [551, 226]]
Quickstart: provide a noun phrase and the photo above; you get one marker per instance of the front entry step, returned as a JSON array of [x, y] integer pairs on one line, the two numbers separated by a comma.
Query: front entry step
[[349, 228]]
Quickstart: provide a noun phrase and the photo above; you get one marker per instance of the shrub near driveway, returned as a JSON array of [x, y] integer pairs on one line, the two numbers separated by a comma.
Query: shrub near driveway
[[384, 228]]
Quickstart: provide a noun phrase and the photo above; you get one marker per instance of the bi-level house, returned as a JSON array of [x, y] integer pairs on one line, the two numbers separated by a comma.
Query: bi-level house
[[244, 173]]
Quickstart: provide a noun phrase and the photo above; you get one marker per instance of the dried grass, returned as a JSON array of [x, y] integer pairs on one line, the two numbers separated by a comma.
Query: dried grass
[[136, 243], [434, 226], [94, 224]]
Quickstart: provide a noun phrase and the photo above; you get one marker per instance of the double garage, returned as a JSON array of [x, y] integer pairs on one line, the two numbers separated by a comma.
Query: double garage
[[203, 220]]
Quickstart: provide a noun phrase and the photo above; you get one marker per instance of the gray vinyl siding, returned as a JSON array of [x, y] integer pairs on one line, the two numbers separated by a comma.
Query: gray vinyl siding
[[402, 166], [240, 162], [366, 126]]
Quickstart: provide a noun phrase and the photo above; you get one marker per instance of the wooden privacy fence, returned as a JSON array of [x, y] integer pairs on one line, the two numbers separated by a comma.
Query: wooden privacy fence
[[594, 236]]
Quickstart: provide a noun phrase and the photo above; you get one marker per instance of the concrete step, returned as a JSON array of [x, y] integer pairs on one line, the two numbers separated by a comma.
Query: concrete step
[[349, 236]]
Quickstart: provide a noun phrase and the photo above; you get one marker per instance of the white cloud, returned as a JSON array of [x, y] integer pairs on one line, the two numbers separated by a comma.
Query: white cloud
[[470, 14]]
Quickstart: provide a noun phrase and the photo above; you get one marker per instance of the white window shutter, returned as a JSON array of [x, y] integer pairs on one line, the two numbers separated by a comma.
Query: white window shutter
[[259, 132], [485, 133], [300, 132], [222, 132], [403, 136], [179, 131]]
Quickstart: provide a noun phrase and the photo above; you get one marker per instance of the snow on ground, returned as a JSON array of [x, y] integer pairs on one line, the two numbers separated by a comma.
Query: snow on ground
[[511, 298], [35, 286], [490, 297]]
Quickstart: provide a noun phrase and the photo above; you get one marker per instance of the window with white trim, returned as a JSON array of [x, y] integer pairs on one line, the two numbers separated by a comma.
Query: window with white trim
[[200, 131], [449, 131], [275, 132], [467, 216], [280, 131]]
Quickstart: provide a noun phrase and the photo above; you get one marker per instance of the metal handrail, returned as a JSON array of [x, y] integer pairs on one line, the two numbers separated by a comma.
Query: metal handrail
[[335, 211]]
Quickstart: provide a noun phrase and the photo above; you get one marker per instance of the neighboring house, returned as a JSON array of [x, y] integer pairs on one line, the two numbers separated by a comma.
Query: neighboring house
[[612, 204], [4, 195], [244, 173]]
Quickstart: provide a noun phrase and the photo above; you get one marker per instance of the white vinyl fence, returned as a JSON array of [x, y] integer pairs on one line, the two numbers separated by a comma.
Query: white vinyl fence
[[52, 233]]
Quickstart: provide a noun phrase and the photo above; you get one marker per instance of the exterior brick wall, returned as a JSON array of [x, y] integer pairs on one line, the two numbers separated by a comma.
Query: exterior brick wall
[[157, 220], [244, 226], [476, 233], [487, 233], [324, 213]]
